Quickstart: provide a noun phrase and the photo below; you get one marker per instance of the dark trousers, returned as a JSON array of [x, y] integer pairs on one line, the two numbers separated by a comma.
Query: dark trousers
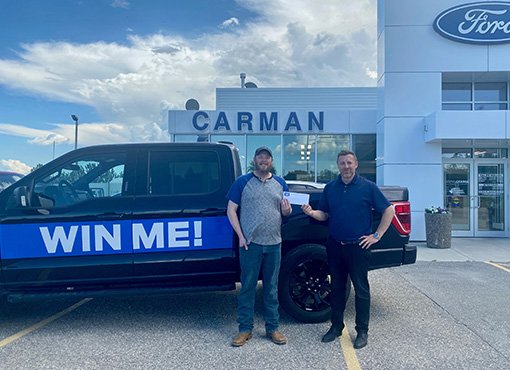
[[354, 261]]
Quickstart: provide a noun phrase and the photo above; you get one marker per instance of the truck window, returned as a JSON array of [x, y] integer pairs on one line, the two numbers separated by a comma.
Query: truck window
[[79, 180], [183, 172]]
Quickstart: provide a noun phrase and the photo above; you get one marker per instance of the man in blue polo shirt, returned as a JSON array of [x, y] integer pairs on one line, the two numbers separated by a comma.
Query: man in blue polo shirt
[[260, 197], [347, 202]]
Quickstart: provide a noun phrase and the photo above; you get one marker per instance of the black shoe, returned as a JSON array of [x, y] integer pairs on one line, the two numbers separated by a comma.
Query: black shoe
[[333, 333], [361, 340]]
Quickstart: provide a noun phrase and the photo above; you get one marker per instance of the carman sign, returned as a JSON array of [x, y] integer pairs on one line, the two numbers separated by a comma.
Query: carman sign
[[249, 122], [484, 23]]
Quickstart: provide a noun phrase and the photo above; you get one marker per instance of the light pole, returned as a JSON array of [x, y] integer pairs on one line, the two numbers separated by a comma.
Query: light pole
[[75, 119]]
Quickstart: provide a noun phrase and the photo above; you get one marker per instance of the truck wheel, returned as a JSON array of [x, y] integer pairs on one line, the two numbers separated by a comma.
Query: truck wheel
[[304, 285]]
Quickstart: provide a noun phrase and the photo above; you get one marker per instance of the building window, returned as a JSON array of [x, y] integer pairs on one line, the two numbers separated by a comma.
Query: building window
[[491, 153], [328, 146], [457, 153], [364, 146], [475, 95], [299, 157], [273, 142], [239, 141]]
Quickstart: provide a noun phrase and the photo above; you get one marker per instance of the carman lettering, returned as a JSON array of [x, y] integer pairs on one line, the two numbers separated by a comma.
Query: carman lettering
[[272, 124], [293, 122], [478, 23], [256, 122]]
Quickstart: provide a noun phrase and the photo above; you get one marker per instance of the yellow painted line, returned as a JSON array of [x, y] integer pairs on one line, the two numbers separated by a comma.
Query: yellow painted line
[[16, 336], [351, 359], [498, 266]]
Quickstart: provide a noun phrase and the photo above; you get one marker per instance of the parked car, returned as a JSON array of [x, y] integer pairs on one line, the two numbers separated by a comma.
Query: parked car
[[8, 178]]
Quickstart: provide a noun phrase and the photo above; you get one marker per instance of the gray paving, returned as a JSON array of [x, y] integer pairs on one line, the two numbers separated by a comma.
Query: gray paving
[[467, 249]]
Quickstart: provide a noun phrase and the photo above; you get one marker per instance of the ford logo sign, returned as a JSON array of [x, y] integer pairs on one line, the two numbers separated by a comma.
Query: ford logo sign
[[476, 23]]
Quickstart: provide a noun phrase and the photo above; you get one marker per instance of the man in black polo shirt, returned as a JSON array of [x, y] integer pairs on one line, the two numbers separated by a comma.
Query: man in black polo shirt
[[347, 202]]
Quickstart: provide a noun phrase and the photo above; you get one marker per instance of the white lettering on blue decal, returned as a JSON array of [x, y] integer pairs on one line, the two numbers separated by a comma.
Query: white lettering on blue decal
[[102, 234], [173, 234], [59, 235], [156, 233], [198, 233]]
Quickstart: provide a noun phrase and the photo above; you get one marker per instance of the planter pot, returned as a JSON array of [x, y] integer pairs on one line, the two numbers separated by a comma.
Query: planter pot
[[438, 227]]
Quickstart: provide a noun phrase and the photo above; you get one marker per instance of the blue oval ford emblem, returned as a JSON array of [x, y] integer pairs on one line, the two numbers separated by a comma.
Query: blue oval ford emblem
[[476, 23]]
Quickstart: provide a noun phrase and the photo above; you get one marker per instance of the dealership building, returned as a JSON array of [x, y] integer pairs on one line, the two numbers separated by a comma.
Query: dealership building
[[437, 123]]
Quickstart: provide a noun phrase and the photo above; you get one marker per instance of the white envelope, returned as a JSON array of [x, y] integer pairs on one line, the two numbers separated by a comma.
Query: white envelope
[[296, 198]]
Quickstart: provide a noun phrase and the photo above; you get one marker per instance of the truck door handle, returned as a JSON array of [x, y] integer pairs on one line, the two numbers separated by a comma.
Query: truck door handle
[[110, 216], [213, 212]]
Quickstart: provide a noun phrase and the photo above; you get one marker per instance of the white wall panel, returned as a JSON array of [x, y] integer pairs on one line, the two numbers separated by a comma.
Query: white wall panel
[[362, 121], [416, 12], [381, 98], [421, 49], [324, 98], [467, 125], [404, 143], [425, 189], [381, 55], [499, 57], [412, 94]]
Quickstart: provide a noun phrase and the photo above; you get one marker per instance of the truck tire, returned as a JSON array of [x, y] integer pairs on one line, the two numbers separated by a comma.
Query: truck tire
[[304, 285]]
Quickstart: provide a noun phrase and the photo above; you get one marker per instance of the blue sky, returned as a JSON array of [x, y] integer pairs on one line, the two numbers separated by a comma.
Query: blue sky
[[120, 65]]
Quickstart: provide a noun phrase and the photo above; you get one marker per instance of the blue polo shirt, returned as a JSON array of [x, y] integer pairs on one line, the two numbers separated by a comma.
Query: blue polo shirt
[[350, 207]]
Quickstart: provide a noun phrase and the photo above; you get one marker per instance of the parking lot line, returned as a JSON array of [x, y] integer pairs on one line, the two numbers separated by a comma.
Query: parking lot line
[[16, 336], [498, 266], [351, 359]]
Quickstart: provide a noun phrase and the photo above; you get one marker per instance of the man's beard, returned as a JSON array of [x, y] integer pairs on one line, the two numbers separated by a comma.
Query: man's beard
[[263, 171]]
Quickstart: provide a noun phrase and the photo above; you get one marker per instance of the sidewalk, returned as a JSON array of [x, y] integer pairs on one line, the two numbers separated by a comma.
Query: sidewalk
[[467, 249]]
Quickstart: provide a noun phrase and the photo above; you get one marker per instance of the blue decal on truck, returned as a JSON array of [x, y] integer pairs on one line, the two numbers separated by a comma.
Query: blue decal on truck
[[114, 237]]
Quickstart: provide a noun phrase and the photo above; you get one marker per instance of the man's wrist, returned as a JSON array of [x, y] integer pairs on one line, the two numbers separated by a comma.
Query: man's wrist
[[377, 236]]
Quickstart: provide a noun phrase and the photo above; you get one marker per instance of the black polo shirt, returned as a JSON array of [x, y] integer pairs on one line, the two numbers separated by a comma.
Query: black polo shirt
[[350, 207]]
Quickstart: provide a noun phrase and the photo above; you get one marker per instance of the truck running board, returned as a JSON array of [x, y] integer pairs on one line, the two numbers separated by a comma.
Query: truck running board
[[17, 297]]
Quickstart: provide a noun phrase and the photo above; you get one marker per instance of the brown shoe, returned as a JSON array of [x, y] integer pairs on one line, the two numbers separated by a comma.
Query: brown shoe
[[241, 339], [277, 337]]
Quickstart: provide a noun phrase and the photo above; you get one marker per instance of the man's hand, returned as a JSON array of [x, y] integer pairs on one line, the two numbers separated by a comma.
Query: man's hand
[[317, 214], [242, 243], [367, 241], [286, 207], [307, 209]]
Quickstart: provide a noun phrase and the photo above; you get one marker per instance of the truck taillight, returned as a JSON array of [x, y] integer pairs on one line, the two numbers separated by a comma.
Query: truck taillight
[[402, 219]]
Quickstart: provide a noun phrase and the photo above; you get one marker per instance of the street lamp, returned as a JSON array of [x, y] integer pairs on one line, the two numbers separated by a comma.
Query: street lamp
[[75, 119]]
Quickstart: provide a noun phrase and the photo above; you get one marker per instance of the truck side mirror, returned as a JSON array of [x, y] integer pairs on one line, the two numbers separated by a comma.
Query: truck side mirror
[[21, 197]]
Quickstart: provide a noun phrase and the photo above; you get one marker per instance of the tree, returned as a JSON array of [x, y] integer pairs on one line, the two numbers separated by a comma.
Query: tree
[[38, 165]]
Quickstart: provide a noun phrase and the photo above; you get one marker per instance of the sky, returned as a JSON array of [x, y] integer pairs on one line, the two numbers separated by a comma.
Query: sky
[[120, 65]]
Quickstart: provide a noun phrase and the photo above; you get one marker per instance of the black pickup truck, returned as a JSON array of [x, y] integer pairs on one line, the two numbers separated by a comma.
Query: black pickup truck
[[151, 218]]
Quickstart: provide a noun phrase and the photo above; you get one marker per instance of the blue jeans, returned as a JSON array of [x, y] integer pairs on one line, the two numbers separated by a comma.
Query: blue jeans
[[268, 257]]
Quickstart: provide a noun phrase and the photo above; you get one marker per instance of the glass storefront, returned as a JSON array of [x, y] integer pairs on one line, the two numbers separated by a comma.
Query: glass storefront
[[301, 157], [474, 191]]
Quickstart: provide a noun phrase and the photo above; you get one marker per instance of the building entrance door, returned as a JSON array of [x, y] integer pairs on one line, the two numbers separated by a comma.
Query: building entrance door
[[474, 192]]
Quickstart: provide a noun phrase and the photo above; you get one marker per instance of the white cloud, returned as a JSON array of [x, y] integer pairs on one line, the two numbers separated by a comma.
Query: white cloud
[[230, 22], [13, 165], [291, 43], [120, 4]]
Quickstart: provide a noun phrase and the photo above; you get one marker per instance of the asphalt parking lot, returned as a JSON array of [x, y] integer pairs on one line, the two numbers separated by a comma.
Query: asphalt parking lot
[[430, 315]]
